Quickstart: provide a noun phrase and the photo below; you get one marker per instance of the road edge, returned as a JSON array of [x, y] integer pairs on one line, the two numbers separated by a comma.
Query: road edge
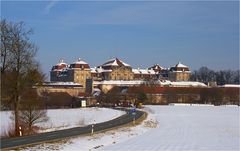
[[137, 122]]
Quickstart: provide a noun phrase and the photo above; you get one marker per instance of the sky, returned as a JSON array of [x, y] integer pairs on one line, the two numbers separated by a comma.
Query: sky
[[141, 33]]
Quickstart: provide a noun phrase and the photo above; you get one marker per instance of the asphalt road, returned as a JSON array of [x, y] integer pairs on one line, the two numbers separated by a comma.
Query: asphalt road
[[8, 143]]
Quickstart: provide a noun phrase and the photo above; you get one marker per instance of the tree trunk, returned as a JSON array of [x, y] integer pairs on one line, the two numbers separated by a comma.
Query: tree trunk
[[30, 120], [16, 113]]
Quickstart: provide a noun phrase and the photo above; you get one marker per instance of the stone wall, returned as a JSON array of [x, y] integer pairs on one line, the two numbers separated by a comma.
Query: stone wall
[[73, 91], [168, 98]]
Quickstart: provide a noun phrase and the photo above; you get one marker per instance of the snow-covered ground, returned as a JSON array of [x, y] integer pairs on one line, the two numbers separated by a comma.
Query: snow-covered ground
[[189, 128], [66, 118], [166, 128]]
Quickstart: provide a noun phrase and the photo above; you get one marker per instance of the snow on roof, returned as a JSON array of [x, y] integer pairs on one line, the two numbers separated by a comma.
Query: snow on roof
[[139, 82], [180, 65], [107, 70], [120, 82], [231, 85], [93, 70], [60, 66], [111, 63], [136, 71], [80, 61], [165, 82], [61, 62], [63, 84], [115, 62], [151, 71], [188, 83], [100, 70], [57, 70], [125, 64], [144, 71], [156, 67], [182, 84]]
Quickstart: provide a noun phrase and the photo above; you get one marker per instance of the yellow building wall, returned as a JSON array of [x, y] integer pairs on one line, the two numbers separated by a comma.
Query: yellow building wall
[[179, 76], [80, 76], [121, 74], [70, 90]]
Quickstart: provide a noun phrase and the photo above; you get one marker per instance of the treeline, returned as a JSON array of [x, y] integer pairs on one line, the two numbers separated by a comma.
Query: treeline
[[166, 95], [205, 75]]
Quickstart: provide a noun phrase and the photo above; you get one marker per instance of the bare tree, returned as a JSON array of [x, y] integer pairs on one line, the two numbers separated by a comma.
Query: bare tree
[[32, 111], [5, 45], [222, 77], [19, 52]]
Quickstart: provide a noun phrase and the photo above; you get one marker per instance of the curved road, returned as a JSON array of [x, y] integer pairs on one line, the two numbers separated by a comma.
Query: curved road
[[8, 143]]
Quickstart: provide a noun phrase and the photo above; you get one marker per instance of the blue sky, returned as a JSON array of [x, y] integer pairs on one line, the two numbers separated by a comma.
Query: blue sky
[[140, 33]]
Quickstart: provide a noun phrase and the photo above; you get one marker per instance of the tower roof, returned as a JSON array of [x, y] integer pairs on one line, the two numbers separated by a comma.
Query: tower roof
[[80, 64], [79, 61], [180, 65], [60, 66], [156, 67]]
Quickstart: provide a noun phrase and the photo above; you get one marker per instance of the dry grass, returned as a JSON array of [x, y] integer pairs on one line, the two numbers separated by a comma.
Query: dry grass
[[151, 123]]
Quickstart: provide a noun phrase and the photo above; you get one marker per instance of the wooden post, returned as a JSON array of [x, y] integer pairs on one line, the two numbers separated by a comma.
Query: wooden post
[[92, 128], [20, 131]]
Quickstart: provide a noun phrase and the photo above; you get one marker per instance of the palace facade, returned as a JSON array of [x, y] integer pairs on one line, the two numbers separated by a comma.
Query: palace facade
[[115, 69]]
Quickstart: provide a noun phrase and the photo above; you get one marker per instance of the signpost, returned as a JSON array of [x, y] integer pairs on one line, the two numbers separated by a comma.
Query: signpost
[[20, 131], [133, 113], [93, 127], [83, 103]]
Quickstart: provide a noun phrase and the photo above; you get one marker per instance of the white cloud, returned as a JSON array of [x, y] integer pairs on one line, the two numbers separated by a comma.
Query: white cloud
[[49, 6]]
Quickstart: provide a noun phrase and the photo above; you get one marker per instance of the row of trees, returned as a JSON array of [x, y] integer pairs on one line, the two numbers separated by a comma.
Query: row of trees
[[19, 72], [222, 77], [206, 95], [121, 96]]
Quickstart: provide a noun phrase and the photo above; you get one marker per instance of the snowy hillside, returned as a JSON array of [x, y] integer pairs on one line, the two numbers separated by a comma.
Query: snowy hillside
[[67, 118]]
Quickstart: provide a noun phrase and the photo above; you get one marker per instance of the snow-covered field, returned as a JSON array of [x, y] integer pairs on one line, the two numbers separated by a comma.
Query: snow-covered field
[[66, 118], [189, 128], [170, 128]]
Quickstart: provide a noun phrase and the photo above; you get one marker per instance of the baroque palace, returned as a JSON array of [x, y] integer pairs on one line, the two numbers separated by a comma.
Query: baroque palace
[[115, 70]]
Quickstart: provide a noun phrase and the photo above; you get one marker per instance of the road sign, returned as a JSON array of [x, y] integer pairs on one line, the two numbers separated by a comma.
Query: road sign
[[133, 110]]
